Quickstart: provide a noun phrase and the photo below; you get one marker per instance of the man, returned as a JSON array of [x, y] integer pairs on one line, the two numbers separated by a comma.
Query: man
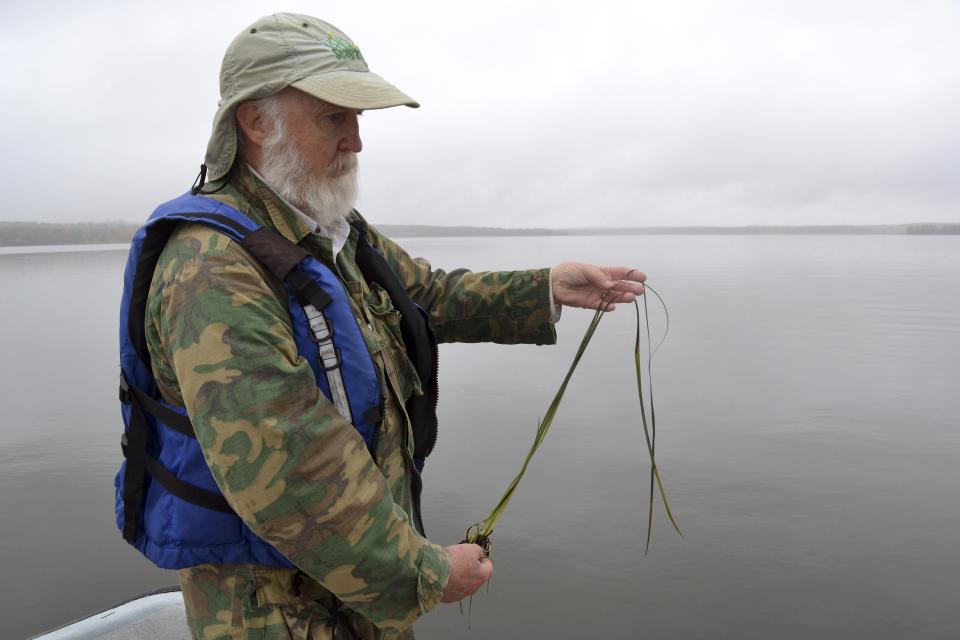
[[317, 531]]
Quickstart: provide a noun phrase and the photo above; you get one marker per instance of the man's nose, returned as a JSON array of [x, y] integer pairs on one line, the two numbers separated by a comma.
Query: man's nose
[[351, 138]]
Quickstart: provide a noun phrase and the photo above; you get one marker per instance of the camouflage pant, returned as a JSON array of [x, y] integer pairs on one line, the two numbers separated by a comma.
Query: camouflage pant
[[249, 602]]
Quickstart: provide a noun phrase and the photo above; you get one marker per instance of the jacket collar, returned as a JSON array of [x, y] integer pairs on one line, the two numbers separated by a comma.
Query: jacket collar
[[282, 217], [246, 192]]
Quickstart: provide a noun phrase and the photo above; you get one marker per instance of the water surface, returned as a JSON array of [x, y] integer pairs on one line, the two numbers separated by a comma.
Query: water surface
[[808, 440]]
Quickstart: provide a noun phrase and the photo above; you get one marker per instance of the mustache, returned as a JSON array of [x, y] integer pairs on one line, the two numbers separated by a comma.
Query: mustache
[[343, 163]]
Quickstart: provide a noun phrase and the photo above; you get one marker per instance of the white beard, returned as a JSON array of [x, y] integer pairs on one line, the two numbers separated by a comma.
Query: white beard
[[327, 197]]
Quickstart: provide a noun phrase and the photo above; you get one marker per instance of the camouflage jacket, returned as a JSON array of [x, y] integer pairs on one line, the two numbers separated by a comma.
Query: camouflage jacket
[[293, 469]]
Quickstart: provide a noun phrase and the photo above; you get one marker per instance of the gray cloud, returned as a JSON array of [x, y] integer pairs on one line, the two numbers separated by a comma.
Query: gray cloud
[[607, 113]]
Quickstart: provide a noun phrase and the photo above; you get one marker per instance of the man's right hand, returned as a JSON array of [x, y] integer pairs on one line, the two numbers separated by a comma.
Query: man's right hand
[[469, 569]]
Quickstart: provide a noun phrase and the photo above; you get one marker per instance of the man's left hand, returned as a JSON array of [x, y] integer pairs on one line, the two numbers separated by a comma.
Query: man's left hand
[[578, 284]]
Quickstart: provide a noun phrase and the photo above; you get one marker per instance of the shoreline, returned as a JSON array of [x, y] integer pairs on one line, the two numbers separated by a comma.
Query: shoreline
[[40, 234]]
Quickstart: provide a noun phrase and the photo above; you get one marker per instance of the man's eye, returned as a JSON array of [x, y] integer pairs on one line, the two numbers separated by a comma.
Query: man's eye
[[335, 118]]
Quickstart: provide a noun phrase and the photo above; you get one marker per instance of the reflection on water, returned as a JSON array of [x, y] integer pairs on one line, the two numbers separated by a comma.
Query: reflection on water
[[808, 441]]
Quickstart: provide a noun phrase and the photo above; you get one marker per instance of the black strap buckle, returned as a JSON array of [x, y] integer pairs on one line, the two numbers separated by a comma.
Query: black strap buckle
[[125, 396]]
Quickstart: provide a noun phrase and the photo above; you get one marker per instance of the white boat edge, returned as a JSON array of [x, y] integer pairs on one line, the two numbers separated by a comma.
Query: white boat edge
[[157, 615]]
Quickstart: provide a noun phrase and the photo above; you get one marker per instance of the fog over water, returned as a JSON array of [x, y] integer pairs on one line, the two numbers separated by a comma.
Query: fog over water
[[806, 403]]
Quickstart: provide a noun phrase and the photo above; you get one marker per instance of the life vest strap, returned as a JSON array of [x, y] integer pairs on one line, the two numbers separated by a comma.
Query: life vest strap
[[276, 253], [134, 446], [418, 338], [176, 421], [140, 463], [308, 291], [186, 491], [329, 359]]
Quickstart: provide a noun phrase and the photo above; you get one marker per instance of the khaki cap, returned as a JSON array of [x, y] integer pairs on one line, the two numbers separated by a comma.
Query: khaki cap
[[290, 50]]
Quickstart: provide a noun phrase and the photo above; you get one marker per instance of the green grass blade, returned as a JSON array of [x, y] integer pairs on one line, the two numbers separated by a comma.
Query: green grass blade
[[481, 531], [650, 429], [487, 526]]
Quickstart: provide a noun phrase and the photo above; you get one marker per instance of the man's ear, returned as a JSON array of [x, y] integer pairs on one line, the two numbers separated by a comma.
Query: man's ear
[[252, 123]]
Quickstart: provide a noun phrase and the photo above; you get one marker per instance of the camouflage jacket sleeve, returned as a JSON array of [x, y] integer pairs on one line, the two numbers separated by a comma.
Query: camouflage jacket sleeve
[[296, 472], [508, 307]]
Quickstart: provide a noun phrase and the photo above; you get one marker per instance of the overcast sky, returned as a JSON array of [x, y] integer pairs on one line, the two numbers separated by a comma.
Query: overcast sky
[[543, 114]]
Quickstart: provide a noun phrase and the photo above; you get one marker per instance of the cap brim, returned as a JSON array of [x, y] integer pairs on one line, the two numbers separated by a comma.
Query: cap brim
[[350, 89], [354, 90]]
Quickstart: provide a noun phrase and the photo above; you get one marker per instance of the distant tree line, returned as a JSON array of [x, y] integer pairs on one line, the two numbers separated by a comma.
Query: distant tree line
[[40, 233], [934, 228], [34, 233]]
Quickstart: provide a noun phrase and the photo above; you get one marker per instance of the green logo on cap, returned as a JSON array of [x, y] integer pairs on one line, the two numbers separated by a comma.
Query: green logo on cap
[[343, 49]]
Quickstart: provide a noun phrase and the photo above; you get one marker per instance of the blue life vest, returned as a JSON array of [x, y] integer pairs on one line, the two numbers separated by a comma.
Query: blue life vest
[[168, 505]]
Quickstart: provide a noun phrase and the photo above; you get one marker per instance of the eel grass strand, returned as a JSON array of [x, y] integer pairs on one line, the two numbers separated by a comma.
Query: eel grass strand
[[650, 430], [480, 532]]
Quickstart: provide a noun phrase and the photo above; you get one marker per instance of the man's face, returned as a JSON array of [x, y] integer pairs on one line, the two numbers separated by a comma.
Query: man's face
[[310, 155], [319, 130]]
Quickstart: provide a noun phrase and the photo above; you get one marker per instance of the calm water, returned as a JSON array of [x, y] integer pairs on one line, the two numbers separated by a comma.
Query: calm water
[[808, 439]]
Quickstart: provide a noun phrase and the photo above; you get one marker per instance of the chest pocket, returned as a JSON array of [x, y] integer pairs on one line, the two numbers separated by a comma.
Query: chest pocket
[[386, 320]]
